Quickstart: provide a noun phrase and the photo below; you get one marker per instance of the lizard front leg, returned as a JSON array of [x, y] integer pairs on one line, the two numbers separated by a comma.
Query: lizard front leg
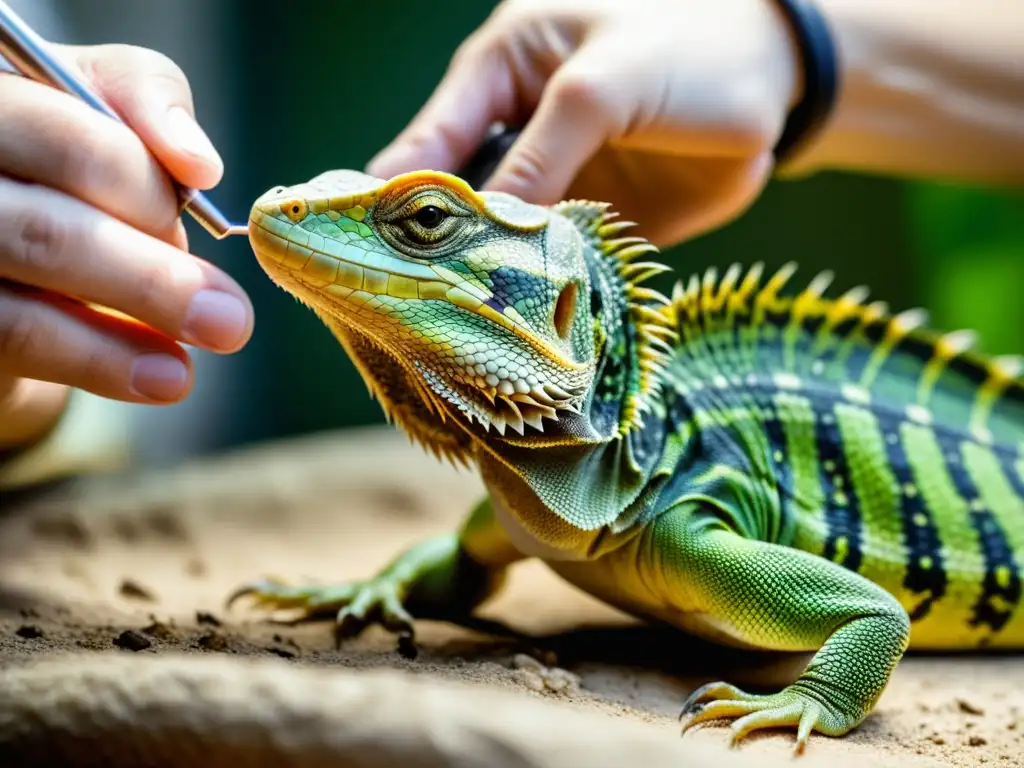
[[779, 598], [443, 577]]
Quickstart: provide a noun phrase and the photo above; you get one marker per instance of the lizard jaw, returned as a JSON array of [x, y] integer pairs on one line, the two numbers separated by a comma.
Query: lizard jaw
[[500, 409]]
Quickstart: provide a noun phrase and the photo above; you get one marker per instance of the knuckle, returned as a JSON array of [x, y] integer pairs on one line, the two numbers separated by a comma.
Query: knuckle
[[118, 66], [23, 337], [38, 242], [95, 366], [529, 166], [151, 288], [466, 51], [577, 88]]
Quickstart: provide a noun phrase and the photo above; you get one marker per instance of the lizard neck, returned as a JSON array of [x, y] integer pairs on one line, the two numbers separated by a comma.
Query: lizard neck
[[600, 468]]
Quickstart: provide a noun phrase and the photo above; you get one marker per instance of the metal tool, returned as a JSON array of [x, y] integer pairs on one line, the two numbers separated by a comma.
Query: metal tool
[[29, 54]]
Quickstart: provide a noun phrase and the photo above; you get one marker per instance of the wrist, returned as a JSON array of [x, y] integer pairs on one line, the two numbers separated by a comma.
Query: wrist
[[823, 150], [29, 410]]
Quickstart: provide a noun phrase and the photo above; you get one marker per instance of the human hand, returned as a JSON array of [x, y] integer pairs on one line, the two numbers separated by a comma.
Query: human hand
[[88, 215], [668, 109]]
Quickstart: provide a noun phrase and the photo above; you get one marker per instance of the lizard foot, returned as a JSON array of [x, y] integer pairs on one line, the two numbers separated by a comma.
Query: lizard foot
[[356, 606], [791, 707]]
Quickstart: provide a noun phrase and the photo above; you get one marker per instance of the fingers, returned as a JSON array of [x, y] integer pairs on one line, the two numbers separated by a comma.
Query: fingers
[[51, 138], [55, 339], [476, 91], [59, 244], [88, 213], [55, 139], [575, 117], [153, 96]]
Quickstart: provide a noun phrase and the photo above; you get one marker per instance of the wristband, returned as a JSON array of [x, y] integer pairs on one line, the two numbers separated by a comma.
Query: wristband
[[821, 75]]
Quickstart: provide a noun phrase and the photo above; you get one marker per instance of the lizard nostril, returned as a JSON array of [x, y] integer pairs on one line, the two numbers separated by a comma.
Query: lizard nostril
[[295, 210]]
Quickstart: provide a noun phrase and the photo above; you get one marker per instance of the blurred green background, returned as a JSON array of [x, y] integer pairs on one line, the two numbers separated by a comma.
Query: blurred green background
[[287, 90]]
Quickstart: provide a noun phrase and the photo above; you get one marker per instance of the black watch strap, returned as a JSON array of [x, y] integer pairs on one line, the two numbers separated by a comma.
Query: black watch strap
[[821, 75]]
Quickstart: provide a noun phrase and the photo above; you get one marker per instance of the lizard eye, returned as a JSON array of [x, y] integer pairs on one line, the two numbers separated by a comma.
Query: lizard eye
[[424, 224], [430, 217], [430, 225]]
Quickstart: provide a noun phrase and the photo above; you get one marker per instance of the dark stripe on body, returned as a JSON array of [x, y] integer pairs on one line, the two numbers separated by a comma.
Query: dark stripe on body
[[776, 434], [842, 507], [926, 569], [1001, 587]]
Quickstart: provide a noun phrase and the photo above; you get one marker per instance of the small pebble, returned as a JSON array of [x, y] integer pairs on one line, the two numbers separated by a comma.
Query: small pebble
[[969, 708], [131, 640], [213, 642], [29, 631], [135, 591], [202, 617]]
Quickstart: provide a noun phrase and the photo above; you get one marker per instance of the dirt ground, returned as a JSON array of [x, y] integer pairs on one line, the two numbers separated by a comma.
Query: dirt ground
[[116, 570]]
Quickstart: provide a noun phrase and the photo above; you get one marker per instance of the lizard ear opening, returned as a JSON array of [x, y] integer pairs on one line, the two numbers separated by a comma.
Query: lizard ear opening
[[565, 310]]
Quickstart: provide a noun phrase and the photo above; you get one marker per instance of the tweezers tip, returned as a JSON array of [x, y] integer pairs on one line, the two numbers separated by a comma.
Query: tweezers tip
[[236, 229]]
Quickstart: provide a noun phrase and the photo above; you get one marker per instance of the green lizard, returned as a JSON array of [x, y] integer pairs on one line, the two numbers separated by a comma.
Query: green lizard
[[790, 473]]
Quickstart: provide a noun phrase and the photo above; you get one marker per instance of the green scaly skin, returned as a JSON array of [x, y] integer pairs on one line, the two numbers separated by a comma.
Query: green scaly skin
[[798, 474]]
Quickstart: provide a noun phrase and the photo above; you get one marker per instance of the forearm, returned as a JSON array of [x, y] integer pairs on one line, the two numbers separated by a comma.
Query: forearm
[[930, 88]]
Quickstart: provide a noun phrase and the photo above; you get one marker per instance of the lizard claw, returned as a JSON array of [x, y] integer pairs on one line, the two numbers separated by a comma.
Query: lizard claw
[[376, 601], [788, 708], [355, 606]]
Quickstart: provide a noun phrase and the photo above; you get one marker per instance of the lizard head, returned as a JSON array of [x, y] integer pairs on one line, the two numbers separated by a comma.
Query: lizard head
[[453, 303]]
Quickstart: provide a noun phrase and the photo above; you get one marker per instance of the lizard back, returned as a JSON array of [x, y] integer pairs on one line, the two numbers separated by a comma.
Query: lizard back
[[896, 452]]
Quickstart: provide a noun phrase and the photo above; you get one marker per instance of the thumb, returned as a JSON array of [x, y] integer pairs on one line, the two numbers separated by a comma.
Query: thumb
[[152, 95], [575, 117]]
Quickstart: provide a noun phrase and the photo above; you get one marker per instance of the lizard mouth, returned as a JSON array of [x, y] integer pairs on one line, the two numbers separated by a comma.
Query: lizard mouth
[[519, 382]]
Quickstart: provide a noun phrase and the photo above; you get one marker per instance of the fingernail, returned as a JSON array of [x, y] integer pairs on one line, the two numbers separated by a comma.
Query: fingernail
[[215, 320], [159, 377], [186, 134]]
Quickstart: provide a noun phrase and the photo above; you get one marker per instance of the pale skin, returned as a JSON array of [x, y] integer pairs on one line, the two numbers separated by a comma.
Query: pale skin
[[677, 131], [87, 214], [670, 108]]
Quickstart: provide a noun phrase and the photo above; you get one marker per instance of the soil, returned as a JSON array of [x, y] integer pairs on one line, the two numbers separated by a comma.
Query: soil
[[122, 568]]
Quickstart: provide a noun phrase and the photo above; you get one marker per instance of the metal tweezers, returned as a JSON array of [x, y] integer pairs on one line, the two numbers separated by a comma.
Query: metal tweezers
[[30, 55]]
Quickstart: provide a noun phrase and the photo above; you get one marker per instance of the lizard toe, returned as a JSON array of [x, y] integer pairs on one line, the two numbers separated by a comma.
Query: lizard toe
[[276, 595], [376, 601], [790, 708], [710, 692]]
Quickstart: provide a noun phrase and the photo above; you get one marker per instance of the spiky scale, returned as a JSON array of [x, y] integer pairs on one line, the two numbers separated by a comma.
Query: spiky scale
[[608, 231]]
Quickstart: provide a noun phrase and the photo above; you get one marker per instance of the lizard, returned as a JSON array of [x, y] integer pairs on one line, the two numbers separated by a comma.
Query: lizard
[[759, 467]]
